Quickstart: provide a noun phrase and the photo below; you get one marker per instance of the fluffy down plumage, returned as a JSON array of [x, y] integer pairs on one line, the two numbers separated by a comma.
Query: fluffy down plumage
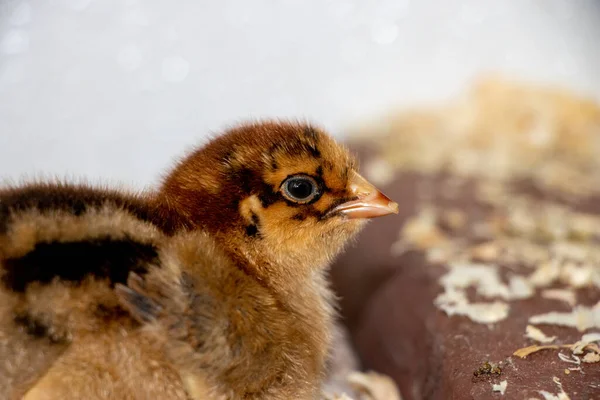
[[211, 287]]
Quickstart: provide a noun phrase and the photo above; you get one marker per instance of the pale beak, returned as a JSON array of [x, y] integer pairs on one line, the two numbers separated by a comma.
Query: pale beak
[[370, 202]]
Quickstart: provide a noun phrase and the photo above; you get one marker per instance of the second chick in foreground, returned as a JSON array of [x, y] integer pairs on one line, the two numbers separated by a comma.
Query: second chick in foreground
[[213, 287]]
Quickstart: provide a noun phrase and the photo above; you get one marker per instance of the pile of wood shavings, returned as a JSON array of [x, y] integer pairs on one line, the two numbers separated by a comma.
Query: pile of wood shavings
[[502, 134], [502, 131], [532, 155]]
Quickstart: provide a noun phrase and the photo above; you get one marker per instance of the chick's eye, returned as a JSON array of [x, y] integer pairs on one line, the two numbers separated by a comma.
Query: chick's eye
[[300, 189]]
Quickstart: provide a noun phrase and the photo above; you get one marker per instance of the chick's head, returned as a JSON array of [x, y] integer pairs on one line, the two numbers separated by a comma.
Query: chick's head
[[275, 192]]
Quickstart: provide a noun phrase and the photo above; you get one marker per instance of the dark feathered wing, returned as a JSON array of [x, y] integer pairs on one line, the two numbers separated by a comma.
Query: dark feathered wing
[[63, 249]]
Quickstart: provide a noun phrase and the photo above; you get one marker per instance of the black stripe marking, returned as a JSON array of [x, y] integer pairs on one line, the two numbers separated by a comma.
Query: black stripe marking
[[267, 196], [313, 150], [311, 144], [311, 133], [36, 328], [300, 216], [252, 229], [74, 261], [32, 326], [345, 174], [75, 200], [307, 145], [244, 178], [319, 172], [109, 313]]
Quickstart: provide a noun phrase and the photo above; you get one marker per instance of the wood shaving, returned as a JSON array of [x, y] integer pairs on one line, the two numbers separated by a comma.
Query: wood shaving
[[561, 395], [519, 288], [545, 274], [581, 317], [585, 340], [486, 280], [501, 387], [379, 171], [525, 351], [423, 232], [456, 303], [591, 357], [558, 396], [578, 276], [486, 252], [366, 386], [593, 347], [575, 360], [566, 295], [536, 334], [336, 396], [374, 386], [454, 219]]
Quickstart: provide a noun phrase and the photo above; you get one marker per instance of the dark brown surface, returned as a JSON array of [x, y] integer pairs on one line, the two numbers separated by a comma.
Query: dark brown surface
[[388, 305]]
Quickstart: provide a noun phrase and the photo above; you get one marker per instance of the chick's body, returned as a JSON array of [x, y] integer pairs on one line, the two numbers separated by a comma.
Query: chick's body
[[243, 338], [217, 327], [213, 287]]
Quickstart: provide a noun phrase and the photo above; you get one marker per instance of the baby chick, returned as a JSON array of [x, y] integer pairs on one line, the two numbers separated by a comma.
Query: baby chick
[[213, 287]]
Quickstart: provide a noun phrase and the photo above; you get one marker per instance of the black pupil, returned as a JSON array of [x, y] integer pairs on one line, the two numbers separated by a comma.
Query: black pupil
[[300, 188]]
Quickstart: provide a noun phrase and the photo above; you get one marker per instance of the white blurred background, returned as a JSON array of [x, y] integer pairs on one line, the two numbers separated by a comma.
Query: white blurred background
[[115, 89]]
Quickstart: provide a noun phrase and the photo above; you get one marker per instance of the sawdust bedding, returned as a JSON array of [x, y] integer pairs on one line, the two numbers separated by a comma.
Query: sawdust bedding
[[501, 191]]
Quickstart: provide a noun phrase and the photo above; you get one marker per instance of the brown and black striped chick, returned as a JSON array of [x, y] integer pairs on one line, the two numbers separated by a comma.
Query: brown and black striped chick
[[213, 287]]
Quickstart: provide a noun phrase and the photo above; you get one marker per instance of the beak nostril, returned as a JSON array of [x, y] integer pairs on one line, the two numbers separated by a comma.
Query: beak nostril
[[361, 196], [368, 201]]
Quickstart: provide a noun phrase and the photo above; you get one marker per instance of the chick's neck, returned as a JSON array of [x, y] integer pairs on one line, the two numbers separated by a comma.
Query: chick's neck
[[284, 268]]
